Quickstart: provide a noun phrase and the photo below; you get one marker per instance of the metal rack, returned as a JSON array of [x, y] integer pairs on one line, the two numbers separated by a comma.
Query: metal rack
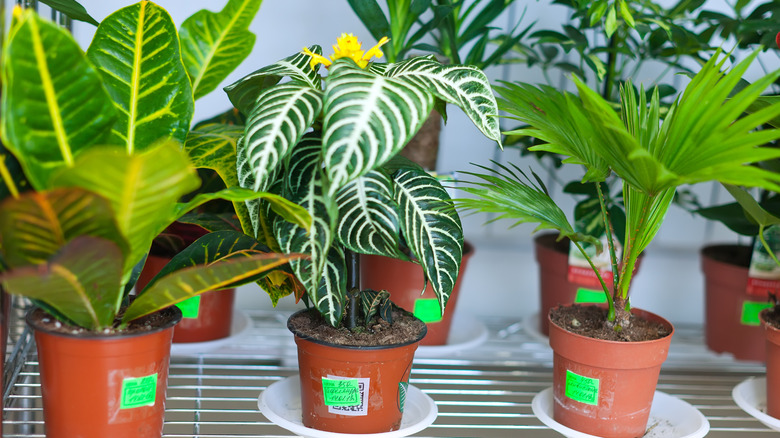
[[485, 391]]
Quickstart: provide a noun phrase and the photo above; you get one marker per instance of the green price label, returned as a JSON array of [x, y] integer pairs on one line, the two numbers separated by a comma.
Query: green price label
[[428, 310], [190, 307], [750, 311], [138, 391], [341, 392], [582, 389], [590, 296]]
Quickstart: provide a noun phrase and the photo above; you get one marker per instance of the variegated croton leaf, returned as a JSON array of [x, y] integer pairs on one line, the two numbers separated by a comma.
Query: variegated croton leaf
[[243, 93], [368, 216], [368, 120], [431, 227], [462, 85]]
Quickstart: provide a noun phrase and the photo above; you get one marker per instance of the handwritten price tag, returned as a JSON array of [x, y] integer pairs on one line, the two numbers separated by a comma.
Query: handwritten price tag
[[138, 391], [582, 389], [344, 392]]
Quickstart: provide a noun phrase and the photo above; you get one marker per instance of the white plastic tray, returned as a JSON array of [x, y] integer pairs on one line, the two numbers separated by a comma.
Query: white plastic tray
[[241, 324], [750, 395], [466, 333]]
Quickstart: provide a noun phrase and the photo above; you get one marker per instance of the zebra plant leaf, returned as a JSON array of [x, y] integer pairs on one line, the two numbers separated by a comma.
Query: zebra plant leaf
[[368, 216], [53, 103], [431, 227], [143, 189], [136, 49], [281, 117], [243, 93], [376, 303], [82, 282], [329, 297], [368, 120], [35, 226], [462, 85], [214, 44], [241, 266]]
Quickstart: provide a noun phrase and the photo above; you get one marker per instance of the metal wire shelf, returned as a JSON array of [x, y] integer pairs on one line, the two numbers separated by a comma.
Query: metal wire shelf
[[485, 391]]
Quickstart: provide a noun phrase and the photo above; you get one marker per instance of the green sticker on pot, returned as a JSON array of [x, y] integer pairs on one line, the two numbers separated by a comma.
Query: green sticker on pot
[[341, 392], [427, 309], [138, 391], [750, 311], [582, 389], [590, 296], [190, 307]]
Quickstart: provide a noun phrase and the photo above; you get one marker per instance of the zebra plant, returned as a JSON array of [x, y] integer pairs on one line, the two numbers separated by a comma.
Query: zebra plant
[[330, 144], [703, 137]]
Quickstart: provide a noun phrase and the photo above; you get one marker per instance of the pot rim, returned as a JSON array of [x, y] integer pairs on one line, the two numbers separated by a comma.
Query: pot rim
[[173, 319], [587, 338], [352, 347]]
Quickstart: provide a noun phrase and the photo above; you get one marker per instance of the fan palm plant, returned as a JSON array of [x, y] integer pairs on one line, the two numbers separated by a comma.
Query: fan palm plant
[[333, 151], [703, 137]]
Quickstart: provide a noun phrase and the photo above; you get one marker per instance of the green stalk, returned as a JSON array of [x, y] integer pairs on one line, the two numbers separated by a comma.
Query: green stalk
[[611, 313], [608, 229], [766, 245], [7, 179]]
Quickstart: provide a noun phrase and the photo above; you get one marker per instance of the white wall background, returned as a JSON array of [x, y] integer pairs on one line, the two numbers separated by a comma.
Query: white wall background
[[502, 277]]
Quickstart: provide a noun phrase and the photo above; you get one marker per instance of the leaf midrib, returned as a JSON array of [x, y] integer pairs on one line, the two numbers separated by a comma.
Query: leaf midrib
[[214, 47], [134, 85]]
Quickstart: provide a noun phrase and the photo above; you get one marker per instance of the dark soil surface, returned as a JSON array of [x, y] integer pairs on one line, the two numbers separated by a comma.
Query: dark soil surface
[[772, 316], [736, 255], [589, 321], [404, 329], [44, 321]]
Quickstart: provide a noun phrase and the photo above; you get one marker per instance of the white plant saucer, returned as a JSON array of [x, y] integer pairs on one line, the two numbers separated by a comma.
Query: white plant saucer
[[670, 417], [241, 324], [281, 404], [531, 328], [750, 395], [466, 332]]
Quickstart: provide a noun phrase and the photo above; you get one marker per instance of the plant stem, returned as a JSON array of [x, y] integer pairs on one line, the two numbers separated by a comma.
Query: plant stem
[[353, 288], [609, 78], [608, 230], [611, 314], [7, 179]]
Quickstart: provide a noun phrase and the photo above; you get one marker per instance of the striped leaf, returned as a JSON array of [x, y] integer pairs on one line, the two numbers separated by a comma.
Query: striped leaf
[[376, 303], [53, 103], [431, 227], [238, 267], [143, 188], [214, 44], [462, 85], [136, 49], [368, 216], [82, 282], [368, 120], [37, 225], [283, 114], [243, 93]]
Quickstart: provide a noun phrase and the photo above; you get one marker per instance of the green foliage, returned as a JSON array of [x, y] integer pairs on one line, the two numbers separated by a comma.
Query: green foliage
[[72, 9], [333, 152], [376, 304]]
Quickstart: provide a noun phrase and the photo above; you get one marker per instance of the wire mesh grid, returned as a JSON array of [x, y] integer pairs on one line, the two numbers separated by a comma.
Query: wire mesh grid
[[483, 391]]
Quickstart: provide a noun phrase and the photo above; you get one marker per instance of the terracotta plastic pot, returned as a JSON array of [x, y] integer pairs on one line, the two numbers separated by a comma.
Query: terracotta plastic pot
[[207, 317], [731, 315], [405, 280], [353, 389], [606, 388], [555, 289], [772, 343], [104, 386]]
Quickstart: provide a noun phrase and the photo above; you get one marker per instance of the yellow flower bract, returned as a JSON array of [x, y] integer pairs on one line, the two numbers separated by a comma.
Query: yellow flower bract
[[348, 46]]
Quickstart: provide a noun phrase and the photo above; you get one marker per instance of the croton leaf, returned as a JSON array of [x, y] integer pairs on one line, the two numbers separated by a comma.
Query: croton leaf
[[143, 189], [280, 118], [368, 216], [53, 102], [12, 179], [462, 85], [35, 226], [136, 49], [238, 267], [368, 120], [243, 93], [214, 44], [72, 9], [431, 227], [82, 282]]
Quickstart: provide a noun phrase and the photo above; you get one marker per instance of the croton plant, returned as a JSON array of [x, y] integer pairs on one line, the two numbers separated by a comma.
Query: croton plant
[[330, 144], [98, 136]]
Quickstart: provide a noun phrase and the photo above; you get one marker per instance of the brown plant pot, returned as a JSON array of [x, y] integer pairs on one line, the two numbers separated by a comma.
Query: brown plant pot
[[606, 388], [98, 386], [772, 345], [731, 315], [555, 289], [405, 280], [382, 375], [207, 318]]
